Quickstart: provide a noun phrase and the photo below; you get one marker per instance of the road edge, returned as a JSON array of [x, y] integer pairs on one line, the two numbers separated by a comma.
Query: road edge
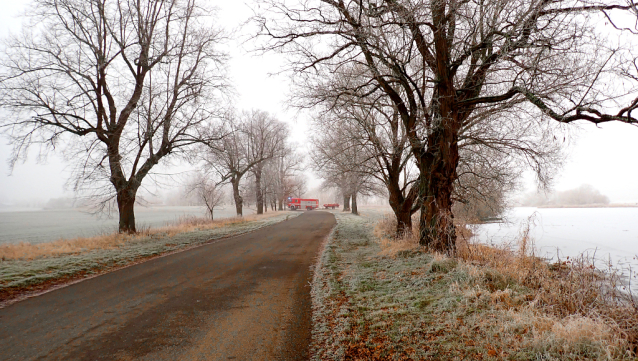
[[56, 284]]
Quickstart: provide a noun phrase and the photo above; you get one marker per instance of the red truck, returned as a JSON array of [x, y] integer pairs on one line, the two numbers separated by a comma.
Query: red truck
[[301, 203]]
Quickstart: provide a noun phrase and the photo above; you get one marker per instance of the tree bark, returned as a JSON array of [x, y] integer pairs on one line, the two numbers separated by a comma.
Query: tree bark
[[238, 199], [346, 203], [281, 204], [265, 200], [355, 210], [126, 208], [438, 173], [258, 192], [402, 207]]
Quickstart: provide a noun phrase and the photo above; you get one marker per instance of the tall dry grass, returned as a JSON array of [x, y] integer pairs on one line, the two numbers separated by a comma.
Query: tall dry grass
[[587, 303], [391, 245], [573, 299], [29, 251]]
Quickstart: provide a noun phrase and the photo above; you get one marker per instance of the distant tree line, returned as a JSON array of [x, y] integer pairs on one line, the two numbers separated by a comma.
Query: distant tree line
[[583, 195]]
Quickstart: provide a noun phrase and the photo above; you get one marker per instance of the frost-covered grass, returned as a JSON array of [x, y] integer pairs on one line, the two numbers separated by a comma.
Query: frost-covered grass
[[371, 304], [118, 250]]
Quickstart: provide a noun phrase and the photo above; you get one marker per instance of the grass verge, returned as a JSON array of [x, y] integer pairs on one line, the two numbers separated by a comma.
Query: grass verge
[[379, 299], [31, 268]]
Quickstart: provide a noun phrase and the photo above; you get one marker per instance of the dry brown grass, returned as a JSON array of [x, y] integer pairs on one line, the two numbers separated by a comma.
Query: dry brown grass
[[390, 245], [29, 251], [579, 303], [570, 304]]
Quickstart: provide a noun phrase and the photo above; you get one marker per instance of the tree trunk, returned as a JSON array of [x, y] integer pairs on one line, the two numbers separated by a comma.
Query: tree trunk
[[126, 208], [354, 204], [346, 203], [238, 199], [438, 173], [265, 200], [258, 192], [211, 214], [281, 204], [403, 212]]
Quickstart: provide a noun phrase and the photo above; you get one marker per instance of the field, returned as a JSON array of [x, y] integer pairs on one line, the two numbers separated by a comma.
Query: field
[[39, 226], [31, 268], [376, 298]]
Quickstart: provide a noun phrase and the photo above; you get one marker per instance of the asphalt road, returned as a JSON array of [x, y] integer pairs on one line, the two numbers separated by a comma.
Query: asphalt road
[[243, 298]]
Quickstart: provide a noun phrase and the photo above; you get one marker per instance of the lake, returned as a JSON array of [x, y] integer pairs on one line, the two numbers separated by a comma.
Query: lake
[[608, 234], [38, 226]]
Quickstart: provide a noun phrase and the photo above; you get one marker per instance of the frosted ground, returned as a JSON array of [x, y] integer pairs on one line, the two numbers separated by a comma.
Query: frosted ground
[[371, 304], [38, 225]]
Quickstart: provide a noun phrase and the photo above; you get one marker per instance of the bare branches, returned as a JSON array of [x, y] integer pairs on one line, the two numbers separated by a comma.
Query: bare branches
[[255, 137], [140, 77], [442, 65]]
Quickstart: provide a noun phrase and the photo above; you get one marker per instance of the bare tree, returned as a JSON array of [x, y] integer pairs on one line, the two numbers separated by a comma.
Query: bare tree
[[207, 191], [341, 160], [296, 186], [372, 126], [253, 138], [267, 137], [440, 61], [493, 148], [276, 177], [119, 85], [285, 167]]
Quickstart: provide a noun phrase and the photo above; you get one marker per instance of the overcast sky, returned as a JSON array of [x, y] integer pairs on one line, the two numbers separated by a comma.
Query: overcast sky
[[605, 156]]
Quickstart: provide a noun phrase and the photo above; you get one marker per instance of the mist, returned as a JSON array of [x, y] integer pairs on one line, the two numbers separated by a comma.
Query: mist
[[585, 195]]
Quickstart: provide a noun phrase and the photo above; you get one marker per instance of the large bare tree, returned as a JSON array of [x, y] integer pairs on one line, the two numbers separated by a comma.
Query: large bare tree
[[118, 84], [493, 147], [439, 61]]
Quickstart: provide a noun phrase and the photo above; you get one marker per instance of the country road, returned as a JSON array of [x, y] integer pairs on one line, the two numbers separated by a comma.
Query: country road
[[241, 298]]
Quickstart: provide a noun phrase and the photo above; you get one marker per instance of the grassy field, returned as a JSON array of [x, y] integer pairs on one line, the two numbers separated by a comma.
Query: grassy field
[[26, 267], [375, 298]]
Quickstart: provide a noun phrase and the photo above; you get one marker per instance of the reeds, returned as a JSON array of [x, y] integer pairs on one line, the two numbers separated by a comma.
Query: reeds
[[570, 304]]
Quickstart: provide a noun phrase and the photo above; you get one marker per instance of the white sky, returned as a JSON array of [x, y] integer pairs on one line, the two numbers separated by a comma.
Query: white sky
[[605, 157]]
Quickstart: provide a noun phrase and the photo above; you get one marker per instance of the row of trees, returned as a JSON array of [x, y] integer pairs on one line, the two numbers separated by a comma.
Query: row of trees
[[439, 101], [476, 88], [122, 86], [256, 146]]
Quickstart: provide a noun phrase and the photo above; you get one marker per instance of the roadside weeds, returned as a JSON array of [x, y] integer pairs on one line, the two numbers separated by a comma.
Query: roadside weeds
[[375, 298]]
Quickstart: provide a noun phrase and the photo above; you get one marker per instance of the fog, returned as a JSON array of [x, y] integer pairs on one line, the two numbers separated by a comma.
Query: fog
[[582, 196], [256, 82], [602, 156]]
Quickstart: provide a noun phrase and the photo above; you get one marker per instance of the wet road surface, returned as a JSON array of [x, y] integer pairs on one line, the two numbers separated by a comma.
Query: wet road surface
[[242, 298]]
